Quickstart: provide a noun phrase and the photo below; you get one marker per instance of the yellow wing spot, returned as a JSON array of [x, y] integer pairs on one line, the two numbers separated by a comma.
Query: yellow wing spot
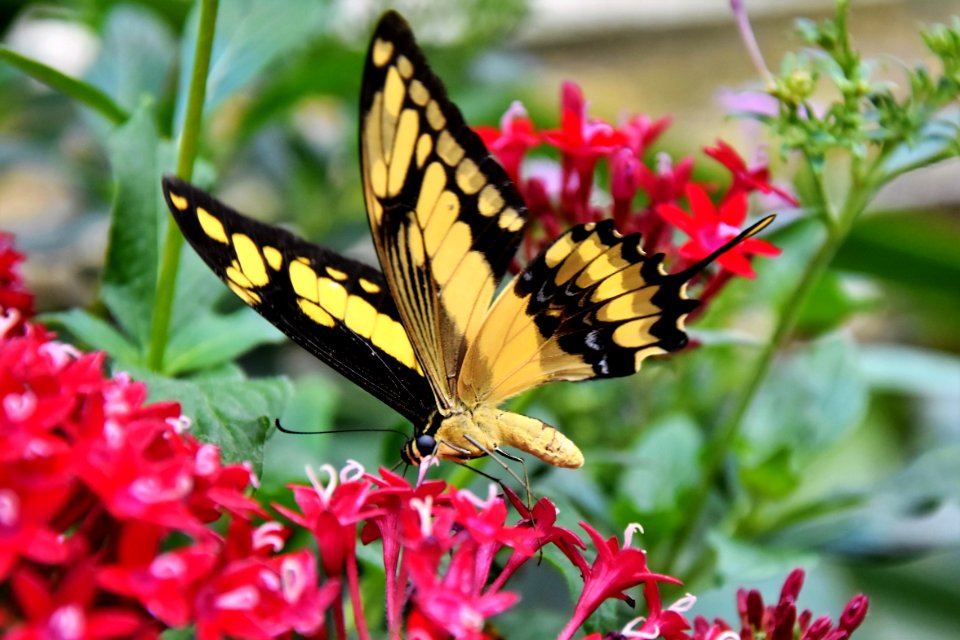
[[251, 262], [250, 297], [369, 287], [490, 201], [559, 250], [360, 316], [510, 220], [274, 257], [451, 251], [447, 210], [211, 226], [448, 149], [382, 52], [304, 281], [316, 313], [336, 274], [419, 93], [643, 354], [603, 267], [333, 297], [435, 116], [434, 180], [424, 147], [403, 145], [635, 334], [584, 255], [378, 177], [469, 178], [635, 304], [390, 336], [393, 92], [405, 66], [240, 279], [178, 201], [627, 280]]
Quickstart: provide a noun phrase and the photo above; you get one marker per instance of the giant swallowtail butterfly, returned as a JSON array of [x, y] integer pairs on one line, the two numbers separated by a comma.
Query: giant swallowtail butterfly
[[427, 333]]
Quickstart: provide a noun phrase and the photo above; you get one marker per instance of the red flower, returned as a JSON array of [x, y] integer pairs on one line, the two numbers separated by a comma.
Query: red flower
[[65, 608], [614, 570], [746, 178], [712, 227], [13, 294], [782, 621], [512, 140], [641, 131], [582, 138], [667, 182]]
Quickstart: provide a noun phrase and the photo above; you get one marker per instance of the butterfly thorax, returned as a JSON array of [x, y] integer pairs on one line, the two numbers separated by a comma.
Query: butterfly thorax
[[473, 432]]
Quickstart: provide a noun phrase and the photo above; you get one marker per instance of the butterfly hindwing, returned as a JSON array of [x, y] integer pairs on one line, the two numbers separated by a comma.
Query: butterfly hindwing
[[444, 216], [338, 309], [590, 306]]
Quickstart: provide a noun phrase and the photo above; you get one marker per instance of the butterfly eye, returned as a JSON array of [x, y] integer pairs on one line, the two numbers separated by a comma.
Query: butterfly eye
[[426, 445]]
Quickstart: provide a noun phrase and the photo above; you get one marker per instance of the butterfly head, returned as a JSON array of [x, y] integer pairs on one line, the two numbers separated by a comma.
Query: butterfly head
[[423, 443]]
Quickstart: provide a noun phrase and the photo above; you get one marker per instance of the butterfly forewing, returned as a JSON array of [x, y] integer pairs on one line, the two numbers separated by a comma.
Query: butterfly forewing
[[338, 309], [445, 218]]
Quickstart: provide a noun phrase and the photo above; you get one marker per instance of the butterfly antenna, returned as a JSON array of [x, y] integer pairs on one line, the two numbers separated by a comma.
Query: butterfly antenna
[[753, 230], [283, 429]]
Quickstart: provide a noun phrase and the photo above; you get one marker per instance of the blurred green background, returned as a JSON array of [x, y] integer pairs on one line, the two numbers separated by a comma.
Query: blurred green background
[[850, 460]]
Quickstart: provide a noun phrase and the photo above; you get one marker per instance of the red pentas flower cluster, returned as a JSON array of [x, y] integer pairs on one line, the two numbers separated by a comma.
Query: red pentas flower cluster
[[653, 200], [13, 293], [104, 507]]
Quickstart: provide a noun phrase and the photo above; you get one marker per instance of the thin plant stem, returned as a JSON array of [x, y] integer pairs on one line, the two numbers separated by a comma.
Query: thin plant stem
[[353, 587], [173, 242]]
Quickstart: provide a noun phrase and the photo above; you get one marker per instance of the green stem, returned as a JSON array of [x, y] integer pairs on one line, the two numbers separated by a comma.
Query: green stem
[[726, 434], [173, 242]]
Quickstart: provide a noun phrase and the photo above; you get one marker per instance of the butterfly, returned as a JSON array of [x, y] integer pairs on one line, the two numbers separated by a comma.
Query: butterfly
[[428, 334]]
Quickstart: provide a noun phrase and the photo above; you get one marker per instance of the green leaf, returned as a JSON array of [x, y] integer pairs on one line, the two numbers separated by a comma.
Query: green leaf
[[915, 250], [136, 56], [251, 35], [910, 370], [84, 93], [227, 409], [212, 339], [809, 402], [911, 510], [93, 332], [199, 290], [938, 140], [664, 464], [774, 477], [740, 562], [311, 408], [831, 303], [130, 273]]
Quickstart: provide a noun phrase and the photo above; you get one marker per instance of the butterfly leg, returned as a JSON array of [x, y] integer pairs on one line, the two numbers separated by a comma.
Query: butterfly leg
[[490, 453], [526, 476]]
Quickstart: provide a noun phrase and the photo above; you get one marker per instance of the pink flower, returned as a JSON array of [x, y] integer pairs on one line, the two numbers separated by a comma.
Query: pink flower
[[711, 227]]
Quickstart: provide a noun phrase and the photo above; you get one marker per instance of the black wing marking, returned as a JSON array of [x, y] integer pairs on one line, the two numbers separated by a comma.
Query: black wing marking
[[338, 309]]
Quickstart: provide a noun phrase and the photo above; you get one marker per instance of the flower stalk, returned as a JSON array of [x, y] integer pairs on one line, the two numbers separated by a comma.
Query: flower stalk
[[189, 140]]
